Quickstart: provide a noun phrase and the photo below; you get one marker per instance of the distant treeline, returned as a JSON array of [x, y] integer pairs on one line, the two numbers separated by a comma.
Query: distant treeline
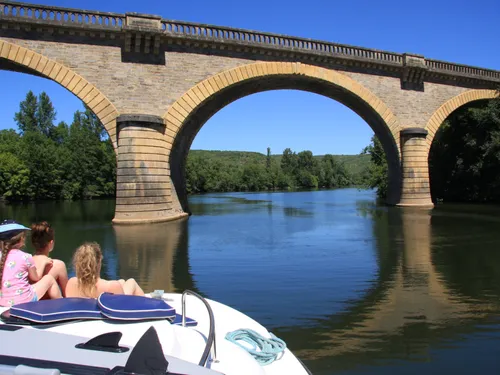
[[225, 171]]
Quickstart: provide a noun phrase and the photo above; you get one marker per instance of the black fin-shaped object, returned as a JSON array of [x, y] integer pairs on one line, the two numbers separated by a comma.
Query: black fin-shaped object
[[107, 342], [147, 357]]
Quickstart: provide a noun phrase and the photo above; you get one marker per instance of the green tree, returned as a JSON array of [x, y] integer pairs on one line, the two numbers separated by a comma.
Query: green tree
[[306, 179], [305, 160], [334, 174], [14, 178], [10, 141], [377, 172], [87, 169], [255, 178], [464, 158], [60, 133], [289, 161], [26, 118], [45, 115], [39, 154]]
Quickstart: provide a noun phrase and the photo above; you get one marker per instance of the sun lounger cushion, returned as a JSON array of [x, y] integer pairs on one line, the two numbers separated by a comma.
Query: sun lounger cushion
[[48, 311], [123, 307], [108, 306]]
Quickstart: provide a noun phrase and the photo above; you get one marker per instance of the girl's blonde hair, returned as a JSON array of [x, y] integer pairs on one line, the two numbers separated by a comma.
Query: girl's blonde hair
[[7, 245], [87, 263]]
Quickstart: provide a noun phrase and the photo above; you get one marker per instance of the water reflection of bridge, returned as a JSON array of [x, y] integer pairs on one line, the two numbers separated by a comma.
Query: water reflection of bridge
[[410, 299], [410, 293], [155, 254]]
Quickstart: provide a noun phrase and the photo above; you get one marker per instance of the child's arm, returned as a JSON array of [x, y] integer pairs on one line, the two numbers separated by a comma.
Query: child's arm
[[36, 273]]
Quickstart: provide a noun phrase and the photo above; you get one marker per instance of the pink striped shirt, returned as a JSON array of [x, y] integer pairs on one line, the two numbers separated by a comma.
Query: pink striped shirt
[[15, 282]]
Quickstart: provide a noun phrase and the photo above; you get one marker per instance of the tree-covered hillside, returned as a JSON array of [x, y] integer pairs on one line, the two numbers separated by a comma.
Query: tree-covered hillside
[[355, 164], [251, 171]]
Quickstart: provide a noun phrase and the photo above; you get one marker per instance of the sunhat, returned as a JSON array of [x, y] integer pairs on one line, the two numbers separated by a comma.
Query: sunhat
[[9, 228]]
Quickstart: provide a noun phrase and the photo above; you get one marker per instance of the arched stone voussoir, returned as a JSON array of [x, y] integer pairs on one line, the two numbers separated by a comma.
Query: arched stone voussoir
[[66, 77], [438, 117], [176, 115]]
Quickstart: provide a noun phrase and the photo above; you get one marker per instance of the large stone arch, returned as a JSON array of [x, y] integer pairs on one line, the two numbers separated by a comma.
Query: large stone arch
[[37, 64], [190, 112], [451, 105]]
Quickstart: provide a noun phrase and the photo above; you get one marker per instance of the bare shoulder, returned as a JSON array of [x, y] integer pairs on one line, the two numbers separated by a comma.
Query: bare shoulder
[[72, 287]]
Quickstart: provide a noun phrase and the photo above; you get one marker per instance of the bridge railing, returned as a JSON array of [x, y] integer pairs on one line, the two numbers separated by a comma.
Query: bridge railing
[[443, 66], [209, 32], [50, 15], [61, 16]]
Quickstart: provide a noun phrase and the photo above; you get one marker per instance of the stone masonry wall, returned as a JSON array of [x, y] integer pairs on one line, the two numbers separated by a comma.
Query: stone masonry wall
[[151, 89], [412, 108], [133, 87]]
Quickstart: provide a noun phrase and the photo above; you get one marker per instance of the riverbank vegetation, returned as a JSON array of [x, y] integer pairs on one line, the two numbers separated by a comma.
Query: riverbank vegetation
[[226, 171], [464, 159], [42, 160]]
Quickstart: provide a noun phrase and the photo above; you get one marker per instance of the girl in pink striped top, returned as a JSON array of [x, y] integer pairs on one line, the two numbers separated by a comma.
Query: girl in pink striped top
[[17, 269]]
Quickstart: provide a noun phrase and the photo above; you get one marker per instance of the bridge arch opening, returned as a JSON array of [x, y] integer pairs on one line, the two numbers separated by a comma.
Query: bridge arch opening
[[189, 113], [20, 59], [463, 166]]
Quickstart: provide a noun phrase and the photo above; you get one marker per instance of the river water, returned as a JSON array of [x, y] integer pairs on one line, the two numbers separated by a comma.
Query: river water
[[352, 287]]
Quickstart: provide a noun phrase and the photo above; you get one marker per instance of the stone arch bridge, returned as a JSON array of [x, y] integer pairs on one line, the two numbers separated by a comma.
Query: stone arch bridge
[[154, 83]]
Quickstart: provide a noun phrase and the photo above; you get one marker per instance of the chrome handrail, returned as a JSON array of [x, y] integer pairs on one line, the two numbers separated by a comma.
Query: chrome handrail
[[211, 332]]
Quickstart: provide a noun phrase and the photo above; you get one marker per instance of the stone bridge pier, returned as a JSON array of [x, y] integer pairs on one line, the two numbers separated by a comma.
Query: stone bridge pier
[[144, 190], [154, 83], [415, 184]]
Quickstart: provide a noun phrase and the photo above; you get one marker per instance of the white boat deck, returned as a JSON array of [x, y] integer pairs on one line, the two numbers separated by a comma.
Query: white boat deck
[[189, 343]]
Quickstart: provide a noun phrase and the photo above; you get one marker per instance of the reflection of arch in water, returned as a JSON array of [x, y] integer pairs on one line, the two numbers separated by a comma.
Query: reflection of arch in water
[[409, 295], [388, 253], [156, 255]]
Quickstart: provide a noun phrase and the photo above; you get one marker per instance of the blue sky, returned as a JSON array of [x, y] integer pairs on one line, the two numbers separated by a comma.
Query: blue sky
[[458, 31]]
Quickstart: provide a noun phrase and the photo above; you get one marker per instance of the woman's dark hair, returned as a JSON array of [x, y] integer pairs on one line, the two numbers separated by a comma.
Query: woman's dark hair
[[41, 234]]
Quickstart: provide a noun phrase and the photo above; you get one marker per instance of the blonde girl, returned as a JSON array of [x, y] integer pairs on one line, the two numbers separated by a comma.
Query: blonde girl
[[87, 262]]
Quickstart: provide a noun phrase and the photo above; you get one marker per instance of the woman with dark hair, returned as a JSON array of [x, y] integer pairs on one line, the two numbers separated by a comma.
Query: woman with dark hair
[[42, 239]]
